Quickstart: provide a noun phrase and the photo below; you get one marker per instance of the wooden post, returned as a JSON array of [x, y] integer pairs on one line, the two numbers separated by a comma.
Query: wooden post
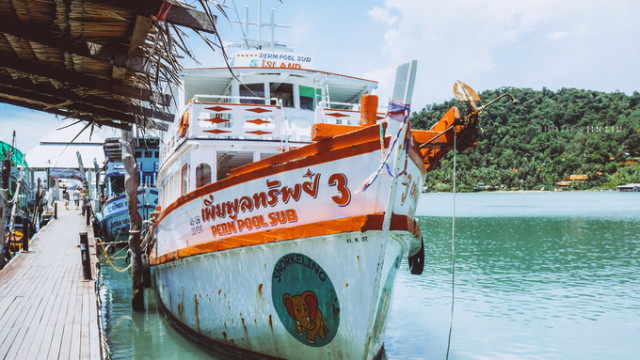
[[84, 251], [36, 205], [98, 193], [25, 236], [83, 177], [135, 222]]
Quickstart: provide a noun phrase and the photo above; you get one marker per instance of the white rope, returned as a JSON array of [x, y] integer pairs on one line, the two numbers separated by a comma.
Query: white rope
[[453, 245]]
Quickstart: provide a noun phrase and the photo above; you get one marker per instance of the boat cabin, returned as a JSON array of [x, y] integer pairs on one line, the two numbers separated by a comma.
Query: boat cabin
[[146, 153], [227, 120]]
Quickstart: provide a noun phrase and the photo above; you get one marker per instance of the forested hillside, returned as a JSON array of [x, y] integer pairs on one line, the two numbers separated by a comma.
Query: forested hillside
[[544, 139]]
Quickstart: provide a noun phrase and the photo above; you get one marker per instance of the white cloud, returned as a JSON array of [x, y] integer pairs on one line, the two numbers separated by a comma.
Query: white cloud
[[383, 15], [558, 35], [495, 43]]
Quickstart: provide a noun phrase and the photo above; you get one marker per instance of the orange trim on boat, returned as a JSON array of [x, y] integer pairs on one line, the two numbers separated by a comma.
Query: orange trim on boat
[[361, 223], [345, 140], [322, 154], [322, 131]]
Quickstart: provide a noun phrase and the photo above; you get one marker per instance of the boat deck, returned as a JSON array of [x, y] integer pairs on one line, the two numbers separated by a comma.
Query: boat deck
[[47, 309]]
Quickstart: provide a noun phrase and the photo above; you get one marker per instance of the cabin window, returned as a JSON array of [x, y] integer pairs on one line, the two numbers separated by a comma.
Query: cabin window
[[282, 92], [203, 175], [252, 91], [266, 155], [138, 154], [184, 184], [148, 154], [230, 160], [308, 96], [117, 185]]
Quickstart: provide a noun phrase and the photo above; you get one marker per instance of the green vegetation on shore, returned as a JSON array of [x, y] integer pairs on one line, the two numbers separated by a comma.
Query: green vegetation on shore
[[543, 140]]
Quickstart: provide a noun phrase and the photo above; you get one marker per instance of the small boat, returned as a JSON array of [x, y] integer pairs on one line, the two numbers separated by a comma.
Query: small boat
[[286, 205], [114, 213]]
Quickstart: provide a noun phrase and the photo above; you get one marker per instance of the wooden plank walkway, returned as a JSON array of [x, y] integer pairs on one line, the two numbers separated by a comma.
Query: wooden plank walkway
[[47, 310]]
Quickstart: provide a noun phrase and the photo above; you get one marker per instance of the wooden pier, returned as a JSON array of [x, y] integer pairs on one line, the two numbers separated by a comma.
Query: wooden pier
[[47, 309]]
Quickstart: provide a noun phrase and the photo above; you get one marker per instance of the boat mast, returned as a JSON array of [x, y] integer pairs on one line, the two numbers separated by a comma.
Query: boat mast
[[259, 43]]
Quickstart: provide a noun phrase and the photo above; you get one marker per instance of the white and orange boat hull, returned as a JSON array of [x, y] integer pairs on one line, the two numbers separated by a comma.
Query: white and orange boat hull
[[292, 258]]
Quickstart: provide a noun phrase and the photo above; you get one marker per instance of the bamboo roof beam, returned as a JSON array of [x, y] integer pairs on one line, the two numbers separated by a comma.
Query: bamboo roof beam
[[40, 34], [84, 117], [178, 15], [100, 102], [55, 101], [78, 79]]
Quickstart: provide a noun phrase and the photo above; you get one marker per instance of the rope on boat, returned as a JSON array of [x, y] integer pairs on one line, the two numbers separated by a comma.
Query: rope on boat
[[397, 110], [109, 260], [453, 245]]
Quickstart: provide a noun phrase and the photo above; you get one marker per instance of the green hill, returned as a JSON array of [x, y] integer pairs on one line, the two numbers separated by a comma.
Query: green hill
[[544, 139]]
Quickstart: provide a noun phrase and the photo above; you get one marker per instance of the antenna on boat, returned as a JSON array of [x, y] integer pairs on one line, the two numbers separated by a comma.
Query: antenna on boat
[[259, 43]]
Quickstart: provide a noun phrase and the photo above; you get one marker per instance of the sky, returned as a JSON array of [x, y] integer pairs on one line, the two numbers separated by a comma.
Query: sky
[[487, 44]]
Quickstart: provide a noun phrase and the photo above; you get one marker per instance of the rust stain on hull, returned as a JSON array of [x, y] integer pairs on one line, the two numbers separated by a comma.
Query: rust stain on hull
[[195, 303]]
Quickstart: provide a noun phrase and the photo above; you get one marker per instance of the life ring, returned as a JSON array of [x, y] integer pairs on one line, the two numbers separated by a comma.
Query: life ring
[[184, 124]]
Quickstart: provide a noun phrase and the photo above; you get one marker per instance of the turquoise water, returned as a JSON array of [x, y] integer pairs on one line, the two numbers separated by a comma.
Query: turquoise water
[[538, 276]]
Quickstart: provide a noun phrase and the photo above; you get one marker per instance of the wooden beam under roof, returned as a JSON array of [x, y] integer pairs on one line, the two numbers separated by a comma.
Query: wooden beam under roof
[[87, 81], [84, 117], [102, 102], [62, 102], [42, 35], [178, 15]]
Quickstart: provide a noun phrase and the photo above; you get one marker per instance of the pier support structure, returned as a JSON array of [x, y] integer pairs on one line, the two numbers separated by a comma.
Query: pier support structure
[[135, 221]]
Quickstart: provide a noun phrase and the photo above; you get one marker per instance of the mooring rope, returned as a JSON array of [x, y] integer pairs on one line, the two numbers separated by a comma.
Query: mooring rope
[[453, 245], [109, 260]]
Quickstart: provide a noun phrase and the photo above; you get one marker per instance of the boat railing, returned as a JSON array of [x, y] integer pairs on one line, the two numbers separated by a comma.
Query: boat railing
[[342, 113], [227, 117], [224, 117]]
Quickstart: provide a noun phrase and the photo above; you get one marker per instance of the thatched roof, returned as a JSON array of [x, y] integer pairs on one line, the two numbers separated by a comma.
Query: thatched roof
[[102, 61]]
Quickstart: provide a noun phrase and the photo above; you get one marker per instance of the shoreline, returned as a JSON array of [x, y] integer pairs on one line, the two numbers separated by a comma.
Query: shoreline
[[523, 191]]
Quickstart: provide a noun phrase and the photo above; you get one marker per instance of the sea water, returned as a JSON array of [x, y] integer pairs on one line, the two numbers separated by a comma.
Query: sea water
[[537, 276]]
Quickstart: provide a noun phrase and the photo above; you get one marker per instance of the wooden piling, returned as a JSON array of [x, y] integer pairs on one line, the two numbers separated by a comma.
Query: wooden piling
[[135, 221]]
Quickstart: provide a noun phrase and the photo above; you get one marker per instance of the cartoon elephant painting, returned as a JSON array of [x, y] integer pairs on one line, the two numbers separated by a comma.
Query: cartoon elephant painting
[[304, 310]]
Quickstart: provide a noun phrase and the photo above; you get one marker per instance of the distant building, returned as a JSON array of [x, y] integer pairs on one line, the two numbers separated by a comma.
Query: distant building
[[629, 187], [578, 177], [55, 156]]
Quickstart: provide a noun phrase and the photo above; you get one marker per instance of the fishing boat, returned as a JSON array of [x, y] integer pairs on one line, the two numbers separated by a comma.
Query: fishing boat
[[114, 213], [286, 205], [17, 217]]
